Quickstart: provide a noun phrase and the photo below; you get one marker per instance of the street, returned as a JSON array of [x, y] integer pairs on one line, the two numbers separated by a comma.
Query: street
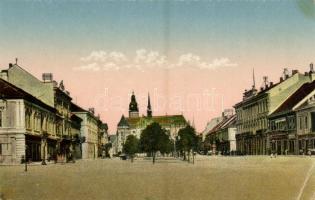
[[212, 178]]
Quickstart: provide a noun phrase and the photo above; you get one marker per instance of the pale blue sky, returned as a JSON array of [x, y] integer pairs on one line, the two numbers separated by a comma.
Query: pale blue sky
[[197, 26]]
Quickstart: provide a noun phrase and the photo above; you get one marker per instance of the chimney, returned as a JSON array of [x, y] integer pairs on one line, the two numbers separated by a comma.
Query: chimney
[[281, 79], [271, 84], [91, 110], [47, 77], [285, 73], [311, 67], [294, 72], [306, 74], [10, 65]]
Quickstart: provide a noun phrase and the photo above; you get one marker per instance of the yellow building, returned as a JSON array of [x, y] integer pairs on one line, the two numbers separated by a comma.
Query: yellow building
[[253, 111]]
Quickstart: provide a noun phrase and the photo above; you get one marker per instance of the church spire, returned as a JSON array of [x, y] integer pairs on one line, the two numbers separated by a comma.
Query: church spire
[[133, 106], [254, 84], [149, 109]]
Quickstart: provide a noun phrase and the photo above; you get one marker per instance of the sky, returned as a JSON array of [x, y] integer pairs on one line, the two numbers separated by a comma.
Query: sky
[[194, 57]]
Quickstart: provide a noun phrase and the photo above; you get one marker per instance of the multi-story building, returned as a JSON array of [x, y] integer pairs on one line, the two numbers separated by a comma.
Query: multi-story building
[[305, 120], [282, 131], [27, 125], [36, 119], [222, 136], [91, 129], [253, 111], [215, 121], [134, 124]]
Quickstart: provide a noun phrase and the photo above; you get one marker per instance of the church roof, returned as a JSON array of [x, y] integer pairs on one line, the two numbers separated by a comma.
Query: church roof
[[133, 105], [123, 121], [164, 120]]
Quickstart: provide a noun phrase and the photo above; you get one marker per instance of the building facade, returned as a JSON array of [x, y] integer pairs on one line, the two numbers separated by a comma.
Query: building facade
[[305, 120], [282, 131], [221, 138], [36, 120], [253, 111], [214, 122], [93, 132], [26, 124]]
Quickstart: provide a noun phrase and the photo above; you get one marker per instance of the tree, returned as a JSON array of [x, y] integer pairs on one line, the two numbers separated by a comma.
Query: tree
[[167, 145], [153, 138], [188, 141], [131, 146]]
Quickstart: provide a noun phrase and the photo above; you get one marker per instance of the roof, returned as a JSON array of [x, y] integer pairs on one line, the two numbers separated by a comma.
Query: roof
[[105, 126], [76, 108], [10, 91], [163, 120], [123, 121], [225, 123], [295, 98], [75, 118]]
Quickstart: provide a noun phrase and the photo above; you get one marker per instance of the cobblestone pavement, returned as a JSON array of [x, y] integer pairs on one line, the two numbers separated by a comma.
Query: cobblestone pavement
[[212, 178]]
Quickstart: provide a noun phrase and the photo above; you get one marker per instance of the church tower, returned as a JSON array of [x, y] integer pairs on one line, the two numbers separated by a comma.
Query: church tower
[[149, 109], [133, 107]]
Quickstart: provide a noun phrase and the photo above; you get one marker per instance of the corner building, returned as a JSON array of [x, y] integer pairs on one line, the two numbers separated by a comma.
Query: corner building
[[253, 111]]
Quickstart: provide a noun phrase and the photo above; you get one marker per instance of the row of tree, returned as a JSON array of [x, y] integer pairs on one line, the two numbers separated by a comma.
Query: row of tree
[[155, 139]]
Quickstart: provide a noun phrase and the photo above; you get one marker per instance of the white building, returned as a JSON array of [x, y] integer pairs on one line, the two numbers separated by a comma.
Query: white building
[[25, 121], [90, 131]]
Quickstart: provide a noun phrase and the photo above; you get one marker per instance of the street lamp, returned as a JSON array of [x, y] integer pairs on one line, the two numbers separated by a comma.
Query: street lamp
[[25, 160]]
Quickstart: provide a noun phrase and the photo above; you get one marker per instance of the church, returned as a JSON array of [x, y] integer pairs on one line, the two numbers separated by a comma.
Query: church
[[134, 124]]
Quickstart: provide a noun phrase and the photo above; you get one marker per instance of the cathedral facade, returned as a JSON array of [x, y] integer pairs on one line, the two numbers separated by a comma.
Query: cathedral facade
[[134, 124]]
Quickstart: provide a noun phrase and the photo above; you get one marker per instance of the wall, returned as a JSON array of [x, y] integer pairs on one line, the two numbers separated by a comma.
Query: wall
[[12, 139]]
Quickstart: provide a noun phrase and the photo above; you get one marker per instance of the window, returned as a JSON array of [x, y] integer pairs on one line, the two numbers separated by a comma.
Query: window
[[306, 124]]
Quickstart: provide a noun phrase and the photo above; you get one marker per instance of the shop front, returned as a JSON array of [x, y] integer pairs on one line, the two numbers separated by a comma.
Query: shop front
[[33, 150]]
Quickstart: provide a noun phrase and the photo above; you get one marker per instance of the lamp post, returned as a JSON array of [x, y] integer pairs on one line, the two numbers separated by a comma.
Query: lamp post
[[25, 161]]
